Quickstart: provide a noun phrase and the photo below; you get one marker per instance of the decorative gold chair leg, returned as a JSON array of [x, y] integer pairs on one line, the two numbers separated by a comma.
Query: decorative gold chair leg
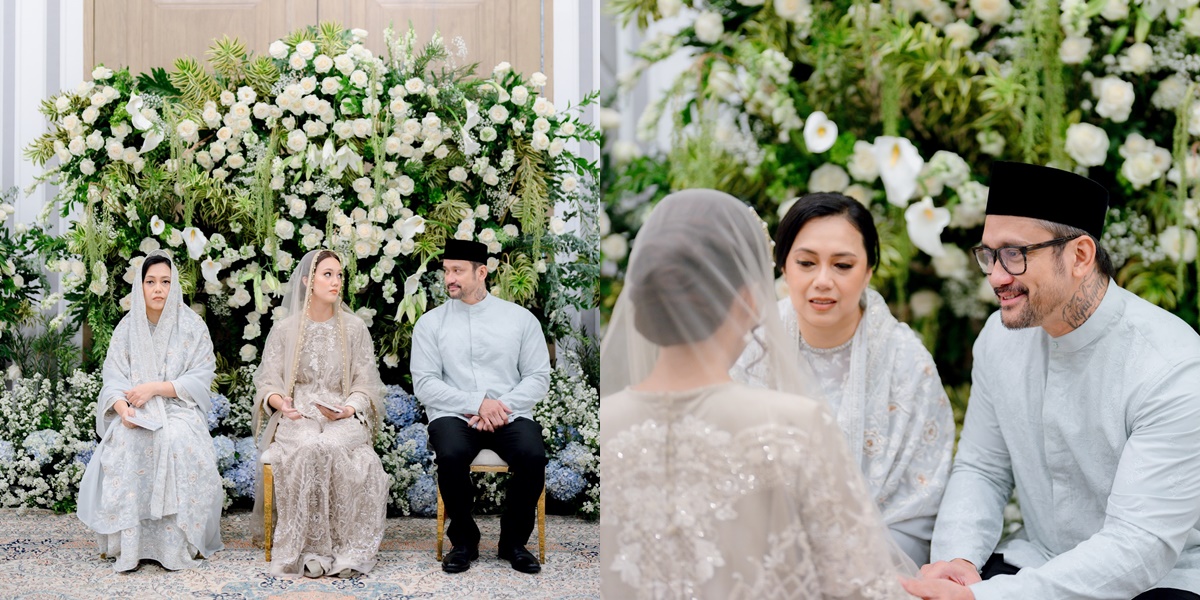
[[441, 522], [541, 517], [268, 508]]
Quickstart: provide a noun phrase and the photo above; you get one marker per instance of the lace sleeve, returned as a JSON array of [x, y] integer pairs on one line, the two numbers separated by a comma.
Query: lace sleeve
[[850, 548]]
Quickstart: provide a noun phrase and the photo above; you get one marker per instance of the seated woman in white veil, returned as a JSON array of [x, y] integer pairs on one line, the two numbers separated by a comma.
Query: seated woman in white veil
[[155, 493], [331, 490], [714, 489]]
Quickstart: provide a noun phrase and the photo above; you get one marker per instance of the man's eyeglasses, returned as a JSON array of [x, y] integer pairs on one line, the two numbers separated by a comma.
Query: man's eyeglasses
[[1014, 259]]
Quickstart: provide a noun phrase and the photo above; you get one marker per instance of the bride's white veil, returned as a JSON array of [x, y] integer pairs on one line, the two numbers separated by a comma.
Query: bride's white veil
[[701, 256]]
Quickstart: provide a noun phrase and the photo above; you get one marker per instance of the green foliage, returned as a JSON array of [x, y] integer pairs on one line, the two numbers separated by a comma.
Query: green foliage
[[228, 58], [196, 85]]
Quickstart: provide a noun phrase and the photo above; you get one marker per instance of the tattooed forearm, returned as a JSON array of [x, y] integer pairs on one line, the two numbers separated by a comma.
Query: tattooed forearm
[[1086, 299]]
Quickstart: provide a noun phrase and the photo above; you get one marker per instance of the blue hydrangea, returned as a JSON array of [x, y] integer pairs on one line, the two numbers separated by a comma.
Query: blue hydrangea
[[402, 408], [567, 433], [562, 482], [6, 451], [220, 410], [422, 496], [418, 433], [84, 456], [576, 456], [243, 475], [246, 449], [224, 448], [40, 444]]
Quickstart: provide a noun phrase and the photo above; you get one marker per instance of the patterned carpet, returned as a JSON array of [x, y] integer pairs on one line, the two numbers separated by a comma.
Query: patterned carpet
[[44, 556]]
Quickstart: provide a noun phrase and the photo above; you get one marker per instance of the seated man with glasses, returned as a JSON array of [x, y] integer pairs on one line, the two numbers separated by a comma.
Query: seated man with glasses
[[1086, 399]]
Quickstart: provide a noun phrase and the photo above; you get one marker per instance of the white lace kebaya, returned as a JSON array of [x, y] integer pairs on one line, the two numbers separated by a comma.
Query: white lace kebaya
[[156, 494], [884, 389]]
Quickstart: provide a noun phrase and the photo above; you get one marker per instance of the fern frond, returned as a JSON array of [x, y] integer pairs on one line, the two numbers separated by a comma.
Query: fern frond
[[533, 196], [195, 84], [228, 58]]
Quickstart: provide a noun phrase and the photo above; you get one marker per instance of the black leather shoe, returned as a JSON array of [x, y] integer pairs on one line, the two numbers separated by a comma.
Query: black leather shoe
[[459, 558], [521, 559]]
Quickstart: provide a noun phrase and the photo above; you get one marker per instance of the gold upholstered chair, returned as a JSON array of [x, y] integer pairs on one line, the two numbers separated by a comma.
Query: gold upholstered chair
[[490, 462], [268, 488]]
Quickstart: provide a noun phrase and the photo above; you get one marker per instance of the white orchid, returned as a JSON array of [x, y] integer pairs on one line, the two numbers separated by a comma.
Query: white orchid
[[819, 133], [925, 224], [195, 241], [899, 165]]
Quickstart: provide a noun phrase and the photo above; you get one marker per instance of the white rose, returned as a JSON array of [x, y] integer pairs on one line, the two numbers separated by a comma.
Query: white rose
[[1115, 10], [297, 141], [278, 49], [538, 79], [925, 303], [569, 184], [1075, 50], [227, 98], [541, 125], [862, 164], [78, 146], [519, 95], [1087, 144], [501, 69], [248, 353], [1141, 170], [358, 78], [405, 185], [322, 64], [362, 127], [961, 34], [1178, 244], [296, 61], [828, 178], [669, 8], [797, 11], [87, 167], [556, 147], [543, 107], [101, 73], [306, 49], [235, 161], [188, 131], [709, 27], [89, 115], [1138, 58], [498, 114], [614, 247], [1171, 91], [414, 85], [952, 264], [487, 134], [992, 11], [557, 226], [1115, 99], [458, 174], [540, 141]]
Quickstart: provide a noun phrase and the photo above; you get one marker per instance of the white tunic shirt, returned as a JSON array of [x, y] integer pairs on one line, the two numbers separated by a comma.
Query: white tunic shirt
[[1099, 430], [463, 353]]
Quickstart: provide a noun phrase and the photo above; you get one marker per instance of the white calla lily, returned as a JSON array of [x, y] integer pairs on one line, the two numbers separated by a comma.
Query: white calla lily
[[134, 108], [412, 284], [819, 132], [412, 226], [157, 226], [195, 241], [347, 157], [925, 224], [899, 165], [210, 268], [153, 138]]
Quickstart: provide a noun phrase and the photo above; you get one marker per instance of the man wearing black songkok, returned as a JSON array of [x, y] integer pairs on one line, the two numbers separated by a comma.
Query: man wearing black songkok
[[1086, 399]]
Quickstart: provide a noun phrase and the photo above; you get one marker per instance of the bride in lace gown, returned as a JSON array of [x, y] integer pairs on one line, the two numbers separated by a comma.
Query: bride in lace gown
[[713, 489], [330, 487]]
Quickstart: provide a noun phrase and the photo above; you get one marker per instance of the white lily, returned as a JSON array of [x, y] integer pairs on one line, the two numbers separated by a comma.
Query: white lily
[[899, 165], [925, 224], [157, 226], [472, 115], [819, 133], [153, 138], [210, 268], [328, 153], [195, 241], [347, 157], [411, 226], [134, 108], [412, 284]]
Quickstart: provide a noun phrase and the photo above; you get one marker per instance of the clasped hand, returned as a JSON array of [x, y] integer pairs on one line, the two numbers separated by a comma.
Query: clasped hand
[[493, 414], [136, 397], [944, 581]]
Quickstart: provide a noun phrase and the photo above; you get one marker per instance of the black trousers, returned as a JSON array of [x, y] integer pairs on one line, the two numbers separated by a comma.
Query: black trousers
[[996, 566], [520, 445]]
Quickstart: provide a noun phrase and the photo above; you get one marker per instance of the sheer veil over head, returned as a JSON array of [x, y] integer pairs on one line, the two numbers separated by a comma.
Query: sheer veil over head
[[297, 297], [700, 271]]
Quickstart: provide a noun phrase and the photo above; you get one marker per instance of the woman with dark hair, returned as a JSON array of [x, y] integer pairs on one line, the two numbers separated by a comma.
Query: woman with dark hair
[[879, 380], [712, 488], [319, 396], [152, 490]]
